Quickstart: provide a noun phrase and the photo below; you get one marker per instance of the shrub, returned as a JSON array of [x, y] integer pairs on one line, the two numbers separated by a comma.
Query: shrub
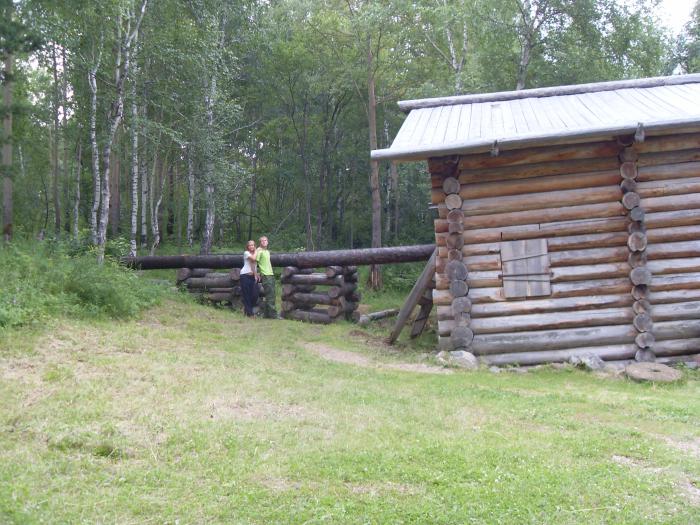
[[42, 280]]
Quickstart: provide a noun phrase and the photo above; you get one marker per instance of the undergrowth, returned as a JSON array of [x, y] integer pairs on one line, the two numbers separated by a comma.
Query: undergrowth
[[42, 280]]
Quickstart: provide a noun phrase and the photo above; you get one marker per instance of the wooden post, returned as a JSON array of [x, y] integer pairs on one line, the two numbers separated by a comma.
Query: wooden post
[[416, 293]]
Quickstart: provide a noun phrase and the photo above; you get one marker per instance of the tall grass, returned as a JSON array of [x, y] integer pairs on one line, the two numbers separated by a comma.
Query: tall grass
[[46, 279]]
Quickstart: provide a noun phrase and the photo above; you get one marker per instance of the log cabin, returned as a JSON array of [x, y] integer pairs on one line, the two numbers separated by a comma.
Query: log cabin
[[568, 219]]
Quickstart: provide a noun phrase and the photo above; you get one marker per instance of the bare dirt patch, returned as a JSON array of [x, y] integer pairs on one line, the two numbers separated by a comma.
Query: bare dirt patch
[[251, 409], [685, 487], [691, 447], [351, 358]]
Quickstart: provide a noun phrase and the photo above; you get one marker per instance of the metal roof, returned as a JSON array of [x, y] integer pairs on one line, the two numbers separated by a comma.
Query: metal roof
[[538, 117]]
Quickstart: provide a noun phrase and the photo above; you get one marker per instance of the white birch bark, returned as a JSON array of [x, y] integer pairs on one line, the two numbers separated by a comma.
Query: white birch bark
[[190, 197], [96, 176], [76, 195], [121, 72], [207, 235], [134, 171]]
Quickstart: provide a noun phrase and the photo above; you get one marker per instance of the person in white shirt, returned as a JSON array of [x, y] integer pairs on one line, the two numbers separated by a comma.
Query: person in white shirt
[[249, 284]]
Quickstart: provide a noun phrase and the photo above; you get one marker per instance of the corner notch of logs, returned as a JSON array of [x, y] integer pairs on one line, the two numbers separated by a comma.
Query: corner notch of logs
[[640, 275]]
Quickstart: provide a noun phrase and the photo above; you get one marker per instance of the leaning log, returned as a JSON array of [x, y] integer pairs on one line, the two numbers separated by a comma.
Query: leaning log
[[366, 256]]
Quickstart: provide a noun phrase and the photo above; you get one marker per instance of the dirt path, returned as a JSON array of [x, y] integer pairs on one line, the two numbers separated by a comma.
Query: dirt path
[[351, 358]]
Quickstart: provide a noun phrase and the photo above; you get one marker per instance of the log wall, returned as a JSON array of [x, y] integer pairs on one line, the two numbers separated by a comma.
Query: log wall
[[622, 226]]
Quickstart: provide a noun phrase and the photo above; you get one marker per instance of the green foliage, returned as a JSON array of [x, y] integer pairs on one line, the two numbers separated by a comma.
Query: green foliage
[[53, 278]]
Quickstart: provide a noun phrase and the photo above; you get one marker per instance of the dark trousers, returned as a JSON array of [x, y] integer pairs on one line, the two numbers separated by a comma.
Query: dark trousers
[[268, 282], [249, 293]]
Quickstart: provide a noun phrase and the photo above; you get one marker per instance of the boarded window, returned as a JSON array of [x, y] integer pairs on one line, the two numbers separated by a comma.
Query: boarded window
[[525, 266]]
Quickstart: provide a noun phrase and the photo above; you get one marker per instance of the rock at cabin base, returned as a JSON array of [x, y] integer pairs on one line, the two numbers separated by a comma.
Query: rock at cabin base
[[588, 361], [443, 358], [655, 372], [464, 359]]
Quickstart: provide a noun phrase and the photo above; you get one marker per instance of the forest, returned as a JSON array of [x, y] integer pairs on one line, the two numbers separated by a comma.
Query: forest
[[193, 125]]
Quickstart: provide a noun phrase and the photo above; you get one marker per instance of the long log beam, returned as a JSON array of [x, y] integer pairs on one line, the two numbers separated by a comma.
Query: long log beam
[[366, 256]]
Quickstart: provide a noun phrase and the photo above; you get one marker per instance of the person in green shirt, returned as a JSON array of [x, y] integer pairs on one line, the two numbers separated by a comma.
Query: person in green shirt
[[262, 255]]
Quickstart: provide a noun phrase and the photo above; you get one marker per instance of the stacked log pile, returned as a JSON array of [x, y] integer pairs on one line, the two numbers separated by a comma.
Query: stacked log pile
[[217, 287], [337, 298], [622, 230]]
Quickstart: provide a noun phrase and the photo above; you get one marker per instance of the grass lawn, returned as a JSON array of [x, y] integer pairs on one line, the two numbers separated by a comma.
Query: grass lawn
[[196, 415]]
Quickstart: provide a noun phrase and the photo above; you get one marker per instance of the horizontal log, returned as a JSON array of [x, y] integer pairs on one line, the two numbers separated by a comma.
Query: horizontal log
[[539, 155], [312, 298], [669, 187], [587, 288], [587, 211], [445, 327], [663, 236], [668, 266], [674, 296], [671, 203], [365, 319], [673, 347], [577, 181], [186, 273], [314, 279], [685, 329], [540, 201], [681, 281], [668, 157], [541, 169], [488, 344], [676, 311], [343, 290], [606, 353], [668, 143], [668, 171], [672, 250], [645, 340], [365, 256], [562, 304], [668, 219], [289, 289], [291, 270], [309, 316], [206, 283], [552, 320], [332, 271]]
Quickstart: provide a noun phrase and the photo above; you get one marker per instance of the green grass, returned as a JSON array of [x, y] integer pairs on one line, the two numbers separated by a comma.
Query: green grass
[[190, 414]]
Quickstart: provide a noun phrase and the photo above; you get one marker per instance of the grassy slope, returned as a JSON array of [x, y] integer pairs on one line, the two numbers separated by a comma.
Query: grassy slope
[[198, 415]]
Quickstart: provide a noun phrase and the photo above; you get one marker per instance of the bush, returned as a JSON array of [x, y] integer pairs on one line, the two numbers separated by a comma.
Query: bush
[[42, 280]]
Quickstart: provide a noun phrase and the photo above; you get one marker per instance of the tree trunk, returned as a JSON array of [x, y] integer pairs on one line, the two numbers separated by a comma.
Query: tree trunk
[[374, 280], [115, 198], [7, 151], [96, 176], [190, 196], [253, 197], [155, 220], [54, 144], [207, 234], [134, 170], [76, 201], [121, 72]]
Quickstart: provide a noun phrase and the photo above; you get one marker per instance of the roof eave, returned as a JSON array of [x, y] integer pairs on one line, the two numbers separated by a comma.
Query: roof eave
[[544, 139]]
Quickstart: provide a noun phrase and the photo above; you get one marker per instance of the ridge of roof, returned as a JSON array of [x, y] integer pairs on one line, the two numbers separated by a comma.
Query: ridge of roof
[[573, 89]]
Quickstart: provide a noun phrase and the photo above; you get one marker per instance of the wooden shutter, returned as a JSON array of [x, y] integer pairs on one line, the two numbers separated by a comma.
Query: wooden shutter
[[525, 266]]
